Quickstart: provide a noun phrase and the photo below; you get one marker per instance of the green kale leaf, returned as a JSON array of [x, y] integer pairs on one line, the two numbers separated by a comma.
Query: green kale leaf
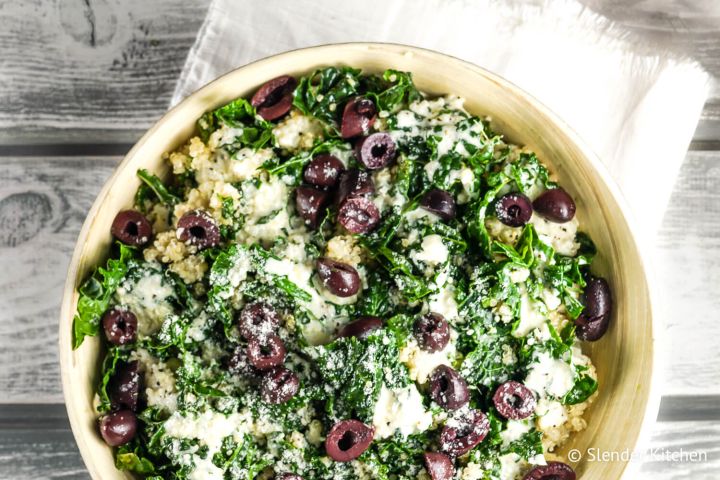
[[583, 388], [355, 390], [95, 294], [156, 186], [323, 93]]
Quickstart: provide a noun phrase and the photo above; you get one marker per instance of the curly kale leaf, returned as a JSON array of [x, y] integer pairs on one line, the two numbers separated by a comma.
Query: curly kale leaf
[[254, 132], [484, 366], [228, 269], [293, 166], [391, 257], [131, 457], [375, 301], [156, 185], [323, 93], [582, 389], [356, 390], [244, 458], [114, 357], [397, 457], [396, 89], [527, 446], [96, 292], [567, 275]]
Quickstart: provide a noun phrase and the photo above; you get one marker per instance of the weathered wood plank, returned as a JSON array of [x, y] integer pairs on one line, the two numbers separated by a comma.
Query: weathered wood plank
[[44, 447], [104, 70], [687, 269], [105, 66], [41, 210], [42, 206]]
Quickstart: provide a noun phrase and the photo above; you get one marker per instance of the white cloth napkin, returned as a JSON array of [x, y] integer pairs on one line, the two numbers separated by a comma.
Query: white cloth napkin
[[637, 108]]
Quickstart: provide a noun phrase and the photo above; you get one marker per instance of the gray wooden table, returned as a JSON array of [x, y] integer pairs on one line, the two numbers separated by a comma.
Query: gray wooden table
[[81, 80]]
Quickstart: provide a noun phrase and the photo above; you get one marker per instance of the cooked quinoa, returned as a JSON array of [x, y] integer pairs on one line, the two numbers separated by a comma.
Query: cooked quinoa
[[344, 277]]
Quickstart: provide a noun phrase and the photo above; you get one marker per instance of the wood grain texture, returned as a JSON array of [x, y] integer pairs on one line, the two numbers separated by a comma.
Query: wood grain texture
[[42, 206], [43, 447], [104, 70], [688, 268], [41, 211], [74, 67]]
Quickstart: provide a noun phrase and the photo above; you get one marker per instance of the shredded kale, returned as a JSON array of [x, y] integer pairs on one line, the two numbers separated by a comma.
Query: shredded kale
[[158, 188], [527, 446], [396, 89], [293, 166], [244, 458], [253, 132], [130, 457], [96, 292], [323, 93], [355, 390], [582, 389], [113, 357]]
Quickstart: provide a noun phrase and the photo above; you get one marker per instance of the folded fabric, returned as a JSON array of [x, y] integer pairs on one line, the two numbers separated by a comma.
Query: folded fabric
[[637, 108]]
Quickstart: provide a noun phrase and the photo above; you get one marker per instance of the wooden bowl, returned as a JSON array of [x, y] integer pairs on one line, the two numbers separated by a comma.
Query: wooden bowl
[[624, 357]]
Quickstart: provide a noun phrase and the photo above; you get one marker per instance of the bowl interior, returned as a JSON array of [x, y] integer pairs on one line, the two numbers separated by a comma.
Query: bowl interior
[[624, 357]]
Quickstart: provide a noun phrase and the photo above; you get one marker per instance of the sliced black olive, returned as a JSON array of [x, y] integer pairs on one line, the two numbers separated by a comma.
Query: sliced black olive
[[131, 228], [594, 320], [198, 228], [120, 326], [376, 151], [347, 440], [441, 203], [274, 99], [514, 209], [514, 400], [339, 278]]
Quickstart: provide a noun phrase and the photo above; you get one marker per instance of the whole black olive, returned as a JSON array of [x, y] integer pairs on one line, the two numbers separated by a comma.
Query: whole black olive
[[594, 320], [266, 352], [323, 171], [279, 385], [124, 386], [439, 466], [551, 471], [310, 204], [118, 428], [354, 183], [358, 117], [555, 205], [258, 319], [120, 326], [361, 328], [432, 332], [358, 215], [464, 434], [376, 151]]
